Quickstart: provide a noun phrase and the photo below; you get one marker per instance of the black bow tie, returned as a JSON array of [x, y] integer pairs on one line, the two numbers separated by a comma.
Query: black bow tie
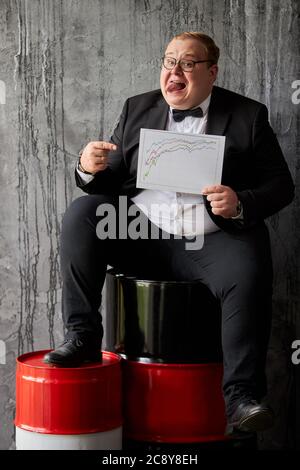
[[180, 114]]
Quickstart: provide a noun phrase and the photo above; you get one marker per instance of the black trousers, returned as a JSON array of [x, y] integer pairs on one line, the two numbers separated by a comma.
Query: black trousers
[[237, 268]]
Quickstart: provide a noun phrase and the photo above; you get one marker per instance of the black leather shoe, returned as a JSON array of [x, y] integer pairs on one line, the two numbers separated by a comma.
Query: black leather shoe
[[72, 353], [250, 416]]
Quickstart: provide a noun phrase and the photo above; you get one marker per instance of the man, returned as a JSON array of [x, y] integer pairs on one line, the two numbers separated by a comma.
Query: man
[[235, 261]]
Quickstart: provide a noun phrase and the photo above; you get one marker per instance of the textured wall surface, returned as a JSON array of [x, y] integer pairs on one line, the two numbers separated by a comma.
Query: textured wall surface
[[66, 67]]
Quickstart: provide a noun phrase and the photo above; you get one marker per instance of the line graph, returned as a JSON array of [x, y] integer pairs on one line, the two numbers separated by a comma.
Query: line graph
[[174, 145], [174, 161]]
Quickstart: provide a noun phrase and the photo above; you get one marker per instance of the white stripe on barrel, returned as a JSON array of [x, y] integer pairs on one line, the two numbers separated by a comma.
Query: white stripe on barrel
[[28, 440]]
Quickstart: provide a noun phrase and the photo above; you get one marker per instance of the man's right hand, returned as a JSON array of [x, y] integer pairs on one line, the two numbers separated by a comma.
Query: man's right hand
[[94, 156]]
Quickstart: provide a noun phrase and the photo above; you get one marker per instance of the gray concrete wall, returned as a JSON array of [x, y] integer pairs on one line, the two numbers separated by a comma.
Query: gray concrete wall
[[66, 67]]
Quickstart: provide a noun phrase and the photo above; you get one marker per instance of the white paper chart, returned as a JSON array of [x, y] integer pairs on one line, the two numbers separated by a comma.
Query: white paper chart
[[173, 161]]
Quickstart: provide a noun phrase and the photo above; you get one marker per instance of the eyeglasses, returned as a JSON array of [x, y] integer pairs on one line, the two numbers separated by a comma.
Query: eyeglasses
[[187, 65]]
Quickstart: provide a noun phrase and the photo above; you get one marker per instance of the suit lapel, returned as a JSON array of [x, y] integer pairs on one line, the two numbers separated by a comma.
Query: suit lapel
[[158, 115], [218, 114]]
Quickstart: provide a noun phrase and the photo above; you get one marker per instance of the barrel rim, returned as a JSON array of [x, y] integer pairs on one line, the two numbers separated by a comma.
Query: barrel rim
[[21, 360], [70, 432], [128, 278], [175, 365], [167, 361]]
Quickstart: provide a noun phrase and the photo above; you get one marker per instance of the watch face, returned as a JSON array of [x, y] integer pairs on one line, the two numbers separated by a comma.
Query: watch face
[[239, 209]]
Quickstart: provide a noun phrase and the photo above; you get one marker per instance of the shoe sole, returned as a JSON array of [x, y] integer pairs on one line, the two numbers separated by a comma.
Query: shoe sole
[[73, 363], [259, 421]]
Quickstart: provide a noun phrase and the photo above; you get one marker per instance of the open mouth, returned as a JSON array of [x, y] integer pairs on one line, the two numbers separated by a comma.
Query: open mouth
[[175, 86]]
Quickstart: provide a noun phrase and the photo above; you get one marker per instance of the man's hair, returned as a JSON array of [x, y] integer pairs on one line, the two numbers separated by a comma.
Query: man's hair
[[212, 50]]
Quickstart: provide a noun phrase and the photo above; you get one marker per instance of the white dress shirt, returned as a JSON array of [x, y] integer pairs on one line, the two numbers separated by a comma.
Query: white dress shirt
[[177, 213]]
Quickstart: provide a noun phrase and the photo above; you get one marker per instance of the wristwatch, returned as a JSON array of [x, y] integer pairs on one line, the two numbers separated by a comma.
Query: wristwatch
[[80, 167], [239, 211]]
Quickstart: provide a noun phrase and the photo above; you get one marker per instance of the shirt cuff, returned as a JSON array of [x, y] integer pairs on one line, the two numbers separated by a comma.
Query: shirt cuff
[[83, 176]]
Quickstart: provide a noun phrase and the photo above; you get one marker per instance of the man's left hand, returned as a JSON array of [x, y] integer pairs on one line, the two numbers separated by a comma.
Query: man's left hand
[[223, 200]]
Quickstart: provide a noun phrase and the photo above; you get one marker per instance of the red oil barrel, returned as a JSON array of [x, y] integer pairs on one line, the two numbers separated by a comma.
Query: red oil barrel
[[68, 408], [173, 403]]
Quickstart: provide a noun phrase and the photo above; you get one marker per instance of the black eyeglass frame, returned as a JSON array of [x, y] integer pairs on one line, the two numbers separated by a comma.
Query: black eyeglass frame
[[180, 60]]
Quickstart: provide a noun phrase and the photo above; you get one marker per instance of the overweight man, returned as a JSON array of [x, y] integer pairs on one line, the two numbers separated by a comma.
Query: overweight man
[[235, 259]]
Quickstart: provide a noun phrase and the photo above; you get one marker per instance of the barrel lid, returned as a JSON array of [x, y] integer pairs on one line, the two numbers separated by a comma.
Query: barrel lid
[[35, 360]]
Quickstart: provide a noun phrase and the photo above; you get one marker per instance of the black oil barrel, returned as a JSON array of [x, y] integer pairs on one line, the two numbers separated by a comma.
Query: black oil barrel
[[162, 321]]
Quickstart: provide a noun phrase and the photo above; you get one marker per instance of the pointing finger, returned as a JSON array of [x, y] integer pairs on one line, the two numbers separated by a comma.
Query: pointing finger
[[104, 145]]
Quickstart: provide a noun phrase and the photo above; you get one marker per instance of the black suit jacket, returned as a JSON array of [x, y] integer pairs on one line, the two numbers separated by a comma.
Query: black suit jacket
[[253, 166]]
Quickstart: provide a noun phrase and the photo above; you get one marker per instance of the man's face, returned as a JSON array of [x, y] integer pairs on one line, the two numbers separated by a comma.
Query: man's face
[[185, 90]]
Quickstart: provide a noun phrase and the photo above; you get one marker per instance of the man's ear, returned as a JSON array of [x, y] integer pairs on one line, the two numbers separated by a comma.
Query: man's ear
[[213, 70]]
